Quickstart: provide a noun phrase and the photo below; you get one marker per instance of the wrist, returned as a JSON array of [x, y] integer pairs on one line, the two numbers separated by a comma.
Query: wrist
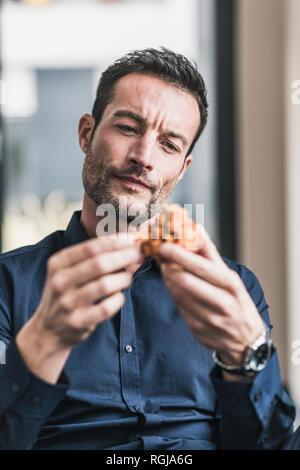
[[39, 339], [41, 351], [256, 357], [238, 353], [232, 358]]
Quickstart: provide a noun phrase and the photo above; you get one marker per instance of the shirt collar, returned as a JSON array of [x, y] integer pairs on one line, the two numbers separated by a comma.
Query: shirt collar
[[76, 233]]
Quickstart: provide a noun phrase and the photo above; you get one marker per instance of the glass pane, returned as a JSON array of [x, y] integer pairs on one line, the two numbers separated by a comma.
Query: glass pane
[[53, 54]]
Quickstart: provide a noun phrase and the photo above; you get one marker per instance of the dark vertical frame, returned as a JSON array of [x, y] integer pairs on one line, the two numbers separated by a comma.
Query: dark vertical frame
[[226, 125]]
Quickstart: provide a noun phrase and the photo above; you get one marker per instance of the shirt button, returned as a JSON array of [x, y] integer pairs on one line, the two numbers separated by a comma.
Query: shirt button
[[15, 387], [128, 348], [36, 399]]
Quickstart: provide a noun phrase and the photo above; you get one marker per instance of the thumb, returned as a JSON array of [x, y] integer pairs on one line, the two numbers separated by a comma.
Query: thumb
[[209, 249]]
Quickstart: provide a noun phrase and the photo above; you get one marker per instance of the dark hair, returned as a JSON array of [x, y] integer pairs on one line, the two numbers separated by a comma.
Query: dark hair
[[169, 66]]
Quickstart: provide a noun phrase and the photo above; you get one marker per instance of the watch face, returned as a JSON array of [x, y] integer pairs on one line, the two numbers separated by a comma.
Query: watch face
[[259, 357]]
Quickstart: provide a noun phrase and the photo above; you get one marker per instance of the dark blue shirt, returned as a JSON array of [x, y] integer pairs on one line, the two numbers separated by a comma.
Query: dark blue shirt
[[140, 380]]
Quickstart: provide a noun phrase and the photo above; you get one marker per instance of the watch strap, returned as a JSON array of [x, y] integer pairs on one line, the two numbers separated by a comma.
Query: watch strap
[[254, 362]]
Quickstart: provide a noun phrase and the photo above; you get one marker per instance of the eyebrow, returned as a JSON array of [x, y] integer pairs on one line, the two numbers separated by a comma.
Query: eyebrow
[[140, 120], [130, 114]]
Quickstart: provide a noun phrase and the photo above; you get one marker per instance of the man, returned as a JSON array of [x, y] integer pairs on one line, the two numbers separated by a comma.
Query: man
[[105, 349]]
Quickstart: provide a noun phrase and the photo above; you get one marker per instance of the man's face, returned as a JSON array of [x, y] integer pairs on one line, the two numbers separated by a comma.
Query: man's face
[[144, 135]]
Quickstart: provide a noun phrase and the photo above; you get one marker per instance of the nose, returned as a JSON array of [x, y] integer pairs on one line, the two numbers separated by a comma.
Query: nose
[[141, 153]]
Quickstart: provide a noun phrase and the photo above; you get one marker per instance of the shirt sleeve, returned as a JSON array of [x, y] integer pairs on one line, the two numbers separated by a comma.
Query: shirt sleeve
[[294, 442], [254, 414], [25, 400]]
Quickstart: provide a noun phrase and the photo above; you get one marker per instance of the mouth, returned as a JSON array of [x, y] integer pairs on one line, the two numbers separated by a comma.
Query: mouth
[[133, 183]]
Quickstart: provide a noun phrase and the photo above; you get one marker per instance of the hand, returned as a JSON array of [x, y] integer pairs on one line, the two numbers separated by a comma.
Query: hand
[[83, 288], [212, 299]]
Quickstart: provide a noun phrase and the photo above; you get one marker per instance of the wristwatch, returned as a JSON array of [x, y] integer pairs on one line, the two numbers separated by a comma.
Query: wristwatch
[[256, 358]]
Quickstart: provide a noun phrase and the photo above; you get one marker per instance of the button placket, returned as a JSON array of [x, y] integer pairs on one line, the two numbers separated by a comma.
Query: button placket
[[128, 356]]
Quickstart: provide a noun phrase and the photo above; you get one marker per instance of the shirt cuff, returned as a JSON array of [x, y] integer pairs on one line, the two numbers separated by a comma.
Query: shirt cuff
[[252, 398], [23, 391]]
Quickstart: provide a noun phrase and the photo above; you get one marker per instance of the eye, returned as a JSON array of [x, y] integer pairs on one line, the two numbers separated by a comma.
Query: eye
[[170, 146], [127, 129]]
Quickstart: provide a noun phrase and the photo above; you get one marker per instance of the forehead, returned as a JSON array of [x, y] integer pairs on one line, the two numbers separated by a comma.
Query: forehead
[[151, 96]]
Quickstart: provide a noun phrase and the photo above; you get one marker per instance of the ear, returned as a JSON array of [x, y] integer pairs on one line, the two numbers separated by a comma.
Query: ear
[[85, 129], [186, 164]]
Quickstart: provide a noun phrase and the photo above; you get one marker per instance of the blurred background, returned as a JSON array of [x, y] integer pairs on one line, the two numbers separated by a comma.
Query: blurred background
[[246, 165]]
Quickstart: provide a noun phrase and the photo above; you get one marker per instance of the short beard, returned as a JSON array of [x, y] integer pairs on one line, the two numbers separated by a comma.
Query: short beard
[[96, 178]]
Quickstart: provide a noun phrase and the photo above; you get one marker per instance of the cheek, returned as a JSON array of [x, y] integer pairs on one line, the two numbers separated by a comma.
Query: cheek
[[168, 175], [108, 150]]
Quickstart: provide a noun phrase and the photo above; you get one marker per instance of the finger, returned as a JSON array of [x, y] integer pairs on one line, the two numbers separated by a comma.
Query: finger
[[216, 274], [205, 333], [208, 325], [97, 266], [90, 248], [186, 284], [103, 311], [95, 290], [212, 328], [203, 322], [195, 310], [209, 250]]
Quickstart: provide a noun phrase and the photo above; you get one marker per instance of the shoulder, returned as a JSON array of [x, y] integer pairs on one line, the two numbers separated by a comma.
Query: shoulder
[[252, 285], [247, 276], [31, 255]]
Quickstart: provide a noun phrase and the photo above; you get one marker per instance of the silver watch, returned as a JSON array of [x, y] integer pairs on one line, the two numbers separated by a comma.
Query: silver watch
[[256, 357]]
